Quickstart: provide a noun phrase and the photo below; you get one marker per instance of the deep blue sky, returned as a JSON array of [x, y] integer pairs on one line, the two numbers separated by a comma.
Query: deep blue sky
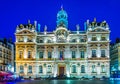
[[14, 12]]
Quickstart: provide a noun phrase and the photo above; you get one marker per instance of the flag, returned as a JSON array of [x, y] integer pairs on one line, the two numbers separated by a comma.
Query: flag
[[61, 55]]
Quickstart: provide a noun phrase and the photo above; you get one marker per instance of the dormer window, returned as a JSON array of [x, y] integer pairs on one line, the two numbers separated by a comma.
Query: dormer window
[[94, 38], [21, 39], [103, 38]]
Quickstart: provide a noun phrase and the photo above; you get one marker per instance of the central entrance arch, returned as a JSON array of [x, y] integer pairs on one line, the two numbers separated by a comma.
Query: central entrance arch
[[61, 69]]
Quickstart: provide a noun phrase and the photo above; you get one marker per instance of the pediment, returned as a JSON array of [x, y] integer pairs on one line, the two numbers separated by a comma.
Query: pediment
[[99, 29], [25, 31]]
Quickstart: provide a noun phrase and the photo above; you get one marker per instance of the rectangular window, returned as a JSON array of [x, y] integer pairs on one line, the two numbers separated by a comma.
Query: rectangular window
[[20, 54], [82, 54], [41, 55], [21, 69], [40, 69], [102, 53], [94, 38], [29, 69], [93, 53], [73, 54], [29, 54], [103, 38], [49, 54], [93, 68], [61, 55]]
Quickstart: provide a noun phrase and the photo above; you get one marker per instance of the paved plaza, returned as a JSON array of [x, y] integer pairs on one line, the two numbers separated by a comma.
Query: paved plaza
[[63, 82]]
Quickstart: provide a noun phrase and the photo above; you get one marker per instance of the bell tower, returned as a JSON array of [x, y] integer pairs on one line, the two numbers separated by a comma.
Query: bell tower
[[62, 18]]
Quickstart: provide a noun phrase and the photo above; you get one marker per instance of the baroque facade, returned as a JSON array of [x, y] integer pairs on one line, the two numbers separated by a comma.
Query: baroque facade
[[63, 52]]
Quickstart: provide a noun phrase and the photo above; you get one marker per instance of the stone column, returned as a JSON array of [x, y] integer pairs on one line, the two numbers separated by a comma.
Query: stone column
[[98, 51], [88, 51], [45, 53], [68, 70], [77, 53], [55, 69]]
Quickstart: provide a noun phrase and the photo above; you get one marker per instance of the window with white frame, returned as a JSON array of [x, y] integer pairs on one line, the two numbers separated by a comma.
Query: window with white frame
[[49, 55], [102, 53], [29, 54], [73, 68], [82, 54], [82, 68], [73, 54], [102, 68], [93, 68], [40, 69], [93, 53], [21, 69], [29, 69], [49, 69], [41, 54]]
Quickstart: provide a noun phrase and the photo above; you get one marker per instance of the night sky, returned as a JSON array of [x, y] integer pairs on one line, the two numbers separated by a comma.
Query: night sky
[[15, 12]]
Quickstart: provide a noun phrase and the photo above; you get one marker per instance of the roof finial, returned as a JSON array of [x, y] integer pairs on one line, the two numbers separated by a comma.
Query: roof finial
[[61, 7], [94, 19], [28, 21]]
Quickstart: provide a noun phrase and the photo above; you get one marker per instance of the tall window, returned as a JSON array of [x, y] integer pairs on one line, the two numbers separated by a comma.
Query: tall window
[[21, 69], [82, 69], [93, 68], [49, 69], [73, 54], [29, 54], [74, 69], [40, 69], [102, 53], [49, 54], [102, 68], [82, 54], [93, 53], [41, 54], [20, 54], [61, 55], [29, 69], [94, 38]]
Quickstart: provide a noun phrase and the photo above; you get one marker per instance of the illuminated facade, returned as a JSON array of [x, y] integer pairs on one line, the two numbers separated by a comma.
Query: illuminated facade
[[6, 55], [63, 52], [115, 58]]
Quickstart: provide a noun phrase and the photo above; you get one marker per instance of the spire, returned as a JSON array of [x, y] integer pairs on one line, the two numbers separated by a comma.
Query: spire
[[61, 7]]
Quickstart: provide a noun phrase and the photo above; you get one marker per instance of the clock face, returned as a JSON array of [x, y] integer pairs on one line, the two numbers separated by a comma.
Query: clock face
[[61, 35]]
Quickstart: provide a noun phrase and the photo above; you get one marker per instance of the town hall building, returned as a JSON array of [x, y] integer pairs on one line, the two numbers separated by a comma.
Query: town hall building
[[63, 52]]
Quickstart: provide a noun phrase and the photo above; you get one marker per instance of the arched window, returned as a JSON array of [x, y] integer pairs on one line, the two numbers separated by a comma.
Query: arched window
[[93, 68], [49, 69], [29, 69], [40, 69], [82, 69], [102, 68], [21, 69], [74, 69]]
